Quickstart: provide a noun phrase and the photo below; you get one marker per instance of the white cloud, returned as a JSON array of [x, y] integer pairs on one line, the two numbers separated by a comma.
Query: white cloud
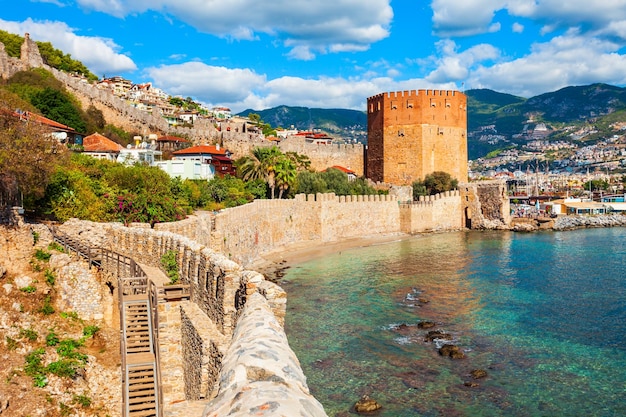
[[454, 66], [241, 88], [517, 27], [470, 17], [464, 18], [571, 59], [98, 54], [206, 83], [308, 27]]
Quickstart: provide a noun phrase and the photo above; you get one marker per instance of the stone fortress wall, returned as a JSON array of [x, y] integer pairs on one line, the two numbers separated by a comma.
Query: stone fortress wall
[[210, 345], [247, 232]]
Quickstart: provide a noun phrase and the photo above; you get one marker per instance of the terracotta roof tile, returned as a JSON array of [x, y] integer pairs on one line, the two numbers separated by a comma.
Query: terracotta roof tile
[[99, 143]]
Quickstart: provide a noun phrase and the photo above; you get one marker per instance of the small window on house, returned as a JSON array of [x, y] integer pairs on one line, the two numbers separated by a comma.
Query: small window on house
[[378, 106], [409, 104], [371, 108], [433, 103], [394, 105]]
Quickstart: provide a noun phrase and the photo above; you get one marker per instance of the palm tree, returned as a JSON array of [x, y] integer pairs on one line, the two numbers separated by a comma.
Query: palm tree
[[261, 164], [302, 162], [286, 174]]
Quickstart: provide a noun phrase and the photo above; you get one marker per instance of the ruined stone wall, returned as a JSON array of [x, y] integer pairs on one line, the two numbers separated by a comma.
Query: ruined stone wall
[[73, 278], [485, 205], [324, 156], [414, 133], [196, 227]]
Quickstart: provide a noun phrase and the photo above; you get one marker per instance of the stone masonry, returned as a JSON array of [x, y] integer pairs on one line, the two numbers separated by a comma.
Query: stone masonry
[[414, 133]]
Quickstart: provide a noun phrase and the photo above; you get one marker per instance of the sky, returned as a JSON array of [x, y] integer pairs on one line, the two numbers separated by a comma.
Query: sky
[[251, 54]]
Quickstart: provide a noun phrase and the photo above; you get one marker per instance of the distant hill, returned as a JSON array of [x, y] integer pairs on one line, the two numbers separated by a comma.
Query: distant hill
[[342, 123]]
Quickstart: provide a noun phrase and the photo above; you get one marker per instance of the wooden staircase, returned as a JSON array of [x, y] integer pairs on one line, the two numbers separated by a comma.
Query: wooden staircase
[[140, 368], [138, 297]]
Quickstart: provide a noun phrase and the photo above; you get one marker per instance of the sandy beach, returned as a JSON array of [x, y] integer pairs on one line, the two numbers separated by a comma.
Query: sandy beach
[[272, 264]]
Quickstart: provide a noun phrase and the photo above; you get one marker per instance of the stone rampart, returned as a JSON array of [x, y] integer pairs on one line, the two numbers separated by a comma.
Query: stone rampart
[[260, 373], [432, 213], [245, 233]]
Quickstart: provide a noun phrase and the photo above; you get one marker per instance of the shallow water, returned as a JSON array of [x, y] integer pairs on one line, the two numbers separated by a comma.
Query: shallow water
[[543, 313]]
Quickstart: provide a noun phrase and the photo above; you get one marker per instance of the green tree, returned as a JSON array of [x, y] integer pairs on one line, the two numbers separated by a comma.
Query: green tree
[[261, 164], [310, 183], [286, 174], [596, 185], [28, 156], [59, 107], [302, 162], [12, 43], [434, 183]]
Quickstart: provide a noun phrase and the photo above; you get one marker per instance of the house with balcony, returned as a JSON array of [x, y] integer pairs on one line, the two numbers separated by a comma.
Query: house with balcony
[[209, 154]]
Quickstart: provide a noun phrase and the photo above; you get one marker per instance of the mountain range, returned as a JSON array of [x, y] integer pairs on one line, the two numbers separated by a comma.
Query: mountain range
[[505, 117]]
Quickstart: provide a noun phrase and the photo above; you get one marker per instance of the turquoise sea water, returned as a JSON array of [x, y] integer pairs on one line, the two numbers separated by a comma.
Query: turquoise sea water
[[543, 313]]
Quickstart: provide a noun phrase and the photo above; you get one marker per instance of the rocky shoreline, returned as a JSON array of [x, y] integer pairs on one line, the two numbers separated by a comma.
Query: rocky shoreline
[[567, 222]]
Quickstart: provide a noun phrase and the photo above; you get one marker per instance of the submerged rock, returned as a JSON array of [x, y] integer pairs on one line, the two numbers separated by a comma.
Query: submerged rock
[[437, 334], [366, 405], [478, 373], [452, 351], [425, 325]]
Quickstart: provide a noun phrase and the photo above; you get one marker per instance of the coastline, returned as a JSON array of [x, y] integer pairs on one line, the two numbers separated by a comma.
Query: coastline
[[272, 264]]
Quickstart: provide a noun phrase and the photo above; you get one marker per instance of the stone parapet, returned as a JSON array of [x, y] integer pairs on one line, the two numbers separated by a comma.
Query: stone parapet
[[260, 373]]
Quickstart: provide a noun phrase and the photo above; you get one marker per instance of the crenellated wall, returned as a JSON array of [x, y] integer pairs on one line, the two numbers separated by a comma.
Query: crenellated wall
[[245, 233], [432, 213]]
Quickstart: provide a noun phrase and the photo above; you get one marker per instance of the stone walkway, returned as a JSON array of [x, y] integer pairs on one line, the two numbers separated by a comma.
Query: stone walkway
[[155, 274], [184, 409]]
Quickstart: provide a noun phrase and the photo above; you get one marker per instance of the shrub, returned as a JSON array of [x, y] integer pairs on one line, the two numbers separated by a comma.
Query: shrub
[[89, 331], [69, 315], [52, 339], [82, 400], [55, 246], [65, 368], [28, 290], [29, 334], [42, 255], [11, 343], [47, 308], [50, 278], [170, 265]]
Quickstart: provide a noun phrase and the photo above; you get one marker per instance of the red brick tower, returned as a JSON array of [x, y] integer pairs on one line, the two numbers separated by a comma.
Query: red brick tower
[[414, 133]]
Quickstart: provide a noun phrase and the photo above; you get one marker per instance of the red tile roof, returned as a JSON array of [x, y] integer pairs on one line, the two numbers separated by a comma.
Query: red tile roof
[[201, 149], [99, 143], [346, 170], [48, 122]]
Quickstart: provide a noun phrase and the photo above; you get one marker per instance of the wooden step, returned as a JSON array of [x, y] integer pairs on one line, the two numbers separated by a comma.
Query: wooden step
[[144, 413]]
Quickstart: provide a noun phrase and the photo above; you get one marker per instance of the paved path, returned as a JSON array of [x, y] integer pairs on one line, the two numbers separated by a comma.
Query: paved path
[[155, 274]]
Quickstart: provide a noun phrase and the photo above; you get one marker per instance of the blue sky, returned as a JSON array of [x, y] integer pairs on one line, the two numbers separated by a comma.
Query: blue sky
[[333, 53]]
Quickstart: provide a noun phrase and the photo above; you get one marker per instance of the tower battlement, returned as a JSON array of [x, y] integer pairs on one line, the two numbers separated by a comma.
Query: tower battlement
[[413, 133]]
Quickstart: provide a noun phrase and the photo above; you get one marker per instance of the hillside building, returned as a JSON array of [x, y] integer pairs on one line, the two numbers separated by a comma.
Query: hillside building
[[414, 133]]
